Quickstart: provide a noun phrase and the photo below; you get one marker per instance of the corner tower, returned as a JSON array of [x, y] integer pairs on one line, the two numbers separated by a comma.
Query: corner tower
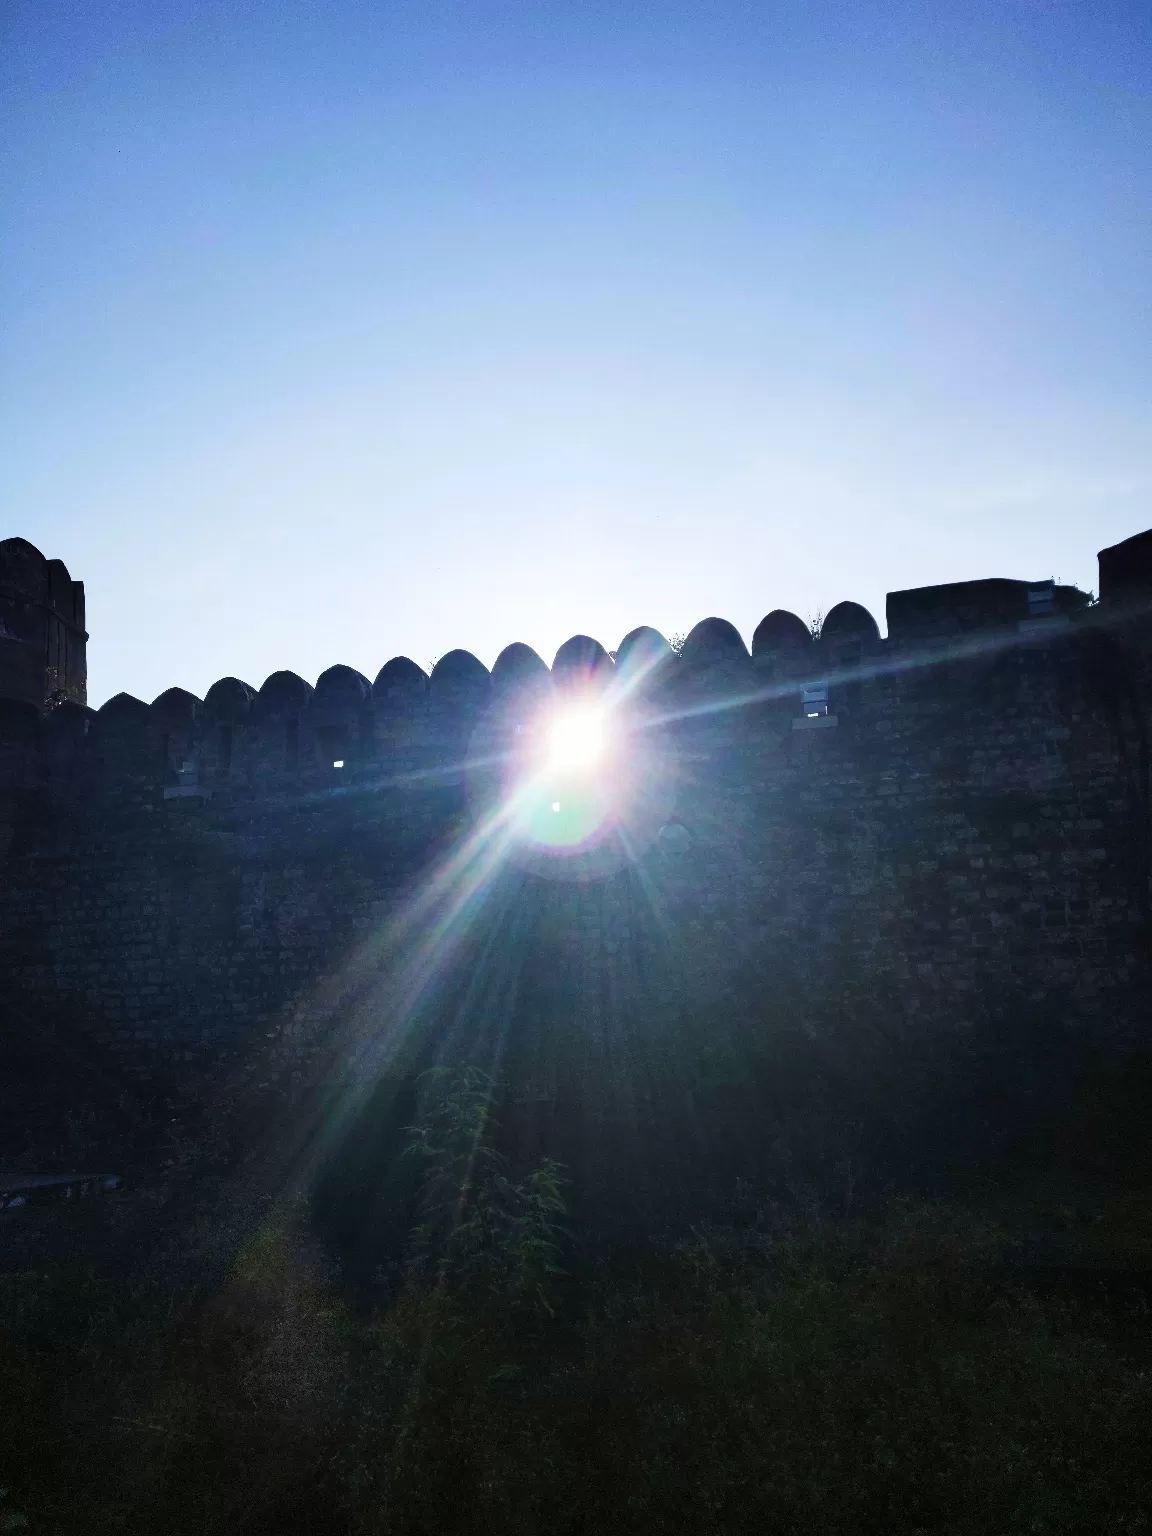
[[43, 643]]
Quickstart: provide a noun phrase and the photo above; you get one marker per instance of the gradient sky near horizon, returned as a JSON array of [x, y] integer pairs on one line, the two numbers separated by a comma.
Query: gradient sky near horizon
[[335, 332]]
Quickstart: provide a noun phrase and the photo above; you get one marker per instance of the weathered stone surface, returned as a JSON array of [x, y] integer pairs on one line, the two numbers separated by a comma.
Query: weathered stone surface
[[976, 825], [43, 643]]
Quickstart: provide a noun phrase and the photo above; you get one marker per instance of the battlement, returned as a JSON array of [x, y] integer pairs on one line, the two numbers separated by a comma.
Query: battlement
[[240, 740], [42, 636], [955, 817]]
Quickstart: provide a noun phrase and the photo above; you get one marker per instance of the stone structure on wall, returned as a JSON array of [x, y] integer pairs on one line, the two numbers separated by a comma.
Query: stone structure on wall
[[42, 636], [958, 811]]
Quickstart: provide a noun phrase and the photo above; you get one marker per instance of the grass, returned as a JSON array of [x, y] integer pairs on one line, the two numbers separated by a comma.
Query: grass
[[796, 1374]]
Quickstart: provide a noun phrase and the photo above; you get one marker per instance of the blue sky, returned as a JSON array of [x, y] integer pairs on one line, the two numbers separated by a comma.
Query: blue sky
[[335, 332]]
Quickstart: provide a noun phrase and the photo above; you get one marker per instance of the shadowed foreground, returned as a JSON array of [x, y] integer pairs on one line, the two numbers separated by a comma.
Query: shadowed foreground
[[189, 1357]]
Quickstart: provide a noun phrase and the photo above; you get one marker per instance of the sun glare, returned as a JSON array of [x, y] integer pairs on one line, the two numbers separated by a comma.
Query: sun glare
[[576, 739]]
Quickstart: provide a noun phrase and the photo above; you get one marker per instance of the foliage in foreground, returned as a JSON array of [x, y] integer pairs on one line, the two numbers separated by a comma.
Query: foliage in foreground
[[827, 1379], [782, 1372], [479, 1229]]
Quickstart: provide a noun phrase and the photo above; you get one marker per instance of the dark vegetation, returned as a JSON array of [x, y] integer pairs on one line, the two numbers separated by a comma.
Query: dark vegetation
[[904, 1295]]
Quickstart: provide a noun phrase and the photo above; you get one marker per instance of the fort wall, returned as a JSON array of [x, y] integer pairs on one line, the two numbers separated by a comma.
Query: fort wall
[[955, 814]]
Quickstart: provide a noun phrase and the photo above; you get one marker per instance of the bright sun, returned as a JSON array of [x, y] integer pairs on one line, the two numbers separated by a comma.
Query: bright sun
[[576, 739]]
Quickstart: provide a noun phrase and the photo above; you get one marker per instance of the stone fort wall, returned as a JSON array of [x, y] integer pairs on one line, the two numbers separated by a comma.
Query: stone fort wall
[[955, 814]]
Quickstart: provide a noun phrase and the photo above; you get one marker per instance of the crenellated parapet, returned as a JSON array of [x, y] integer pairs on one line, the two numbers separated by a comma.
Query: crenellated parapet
[[407, 726], [958, 812]]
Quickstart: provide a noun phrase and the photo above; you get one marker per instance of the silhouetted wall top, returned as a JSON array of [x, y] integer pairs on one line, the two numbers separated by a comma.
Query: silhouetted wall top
[[713, 641], [22, 567], [1126, 572], [342, 687], [644, 653], [400, 683], [175, 707], [123, 711], [848, 624], [924, 613], [42, 644], [581, 658], [961, 607], [460, 681], [283, 694], [782, 633], [517, 669], [42, 640], [229, 700]]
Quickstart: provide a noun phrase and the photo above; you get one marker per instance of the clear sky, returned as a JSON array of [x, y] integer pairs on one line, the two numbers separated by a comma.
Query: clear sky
[[335, 331]]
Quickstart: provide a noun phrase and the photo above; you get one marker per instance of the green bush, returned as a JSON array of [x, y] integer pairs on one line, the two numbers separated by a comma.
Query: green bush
[[478, 1228]]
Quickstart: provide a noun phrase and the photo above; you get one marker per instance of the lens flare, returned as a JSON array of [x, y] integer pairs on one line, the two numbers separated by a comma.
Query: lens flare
[[576, 739]]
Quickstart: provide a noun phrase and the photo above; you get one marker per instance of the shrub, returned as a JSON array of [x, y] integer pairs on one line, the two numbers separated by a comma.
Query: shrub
[[478, 1227]]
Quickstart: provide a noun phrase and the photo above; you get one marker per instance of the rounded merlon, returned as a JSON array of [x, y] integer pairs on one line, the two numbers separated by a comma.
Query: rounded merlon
[[229, 700], [518, 668], [123, 711], [342, 686], [711, 642], [849, 623], [284, 693], [460, 679], [643, 650], [174, 708], [400, 682], [581, 657], [22, 567], [781, 633]]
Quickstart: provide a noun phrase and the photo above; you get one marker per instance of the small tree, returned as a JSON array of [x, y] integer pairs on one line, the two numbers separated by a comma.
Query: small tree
[[478, 1227]]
